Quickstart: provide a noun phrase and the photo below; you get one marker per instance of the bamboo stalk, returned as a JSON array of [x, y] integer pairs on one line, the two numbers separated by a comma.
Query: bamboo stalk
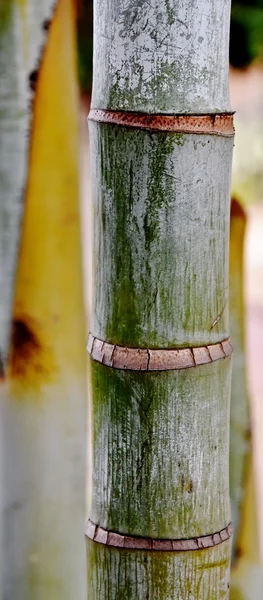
[[46, 383], [161, 152], [247, 572], [22, 36], [240, 422]]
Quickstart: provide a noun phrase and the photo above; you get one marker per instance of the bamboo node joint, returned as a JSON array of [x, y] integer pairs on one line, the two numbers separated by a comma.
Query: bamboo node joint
[[110, 538], [211, 124], [145, 359]]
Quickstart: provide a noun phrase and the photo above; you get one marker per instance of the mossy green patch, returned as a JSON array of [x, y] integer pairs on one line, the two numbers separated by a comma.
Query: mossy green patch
[[236, 593], [6, 7], [149, 431], [160, 237], [115, 574]]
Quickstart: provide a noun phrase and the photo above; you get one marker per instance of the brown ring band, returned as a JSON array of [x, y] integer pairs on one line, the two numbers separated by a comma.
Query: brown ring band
[[217, 124], [117, 540], [144, 359]]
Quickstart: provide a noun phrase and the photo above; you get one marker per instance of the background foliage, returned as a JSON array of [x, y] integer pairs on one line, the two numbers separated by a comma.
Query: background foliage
[[246, 39]]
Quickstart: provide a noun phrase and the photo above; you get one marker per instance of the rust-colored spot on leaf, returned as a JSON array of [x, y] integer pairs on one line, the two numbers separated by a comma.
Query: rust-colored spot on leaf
[[30, 360], [238, 553], [46, 24], [237, 209], [23, 337], [33, 77]]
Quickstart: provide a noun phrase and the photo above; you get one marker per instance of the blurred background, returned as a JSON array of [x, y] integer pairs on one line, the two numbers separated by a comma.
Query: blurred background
[[246, 90]]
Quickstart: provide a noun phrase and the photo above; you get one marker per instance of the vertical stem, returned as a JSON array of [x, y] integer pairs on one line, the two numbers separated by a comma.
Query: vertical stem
[[22, 37], [161, 146], [46, 380], [247, 572], [240, 422]]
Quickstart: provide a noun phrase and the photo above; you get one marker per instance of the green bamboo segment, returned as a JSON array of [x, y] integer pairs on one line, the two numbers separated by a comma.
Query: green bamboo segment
[[141, 574], [160, 489], [148, 284], [247, 571], [160, 269]]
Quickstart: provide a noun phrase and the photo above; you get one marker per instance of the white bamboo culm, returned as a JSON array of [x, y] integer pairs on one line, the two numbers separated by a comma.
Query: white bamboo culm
[[21, 42], [168, 56], [22, 36]]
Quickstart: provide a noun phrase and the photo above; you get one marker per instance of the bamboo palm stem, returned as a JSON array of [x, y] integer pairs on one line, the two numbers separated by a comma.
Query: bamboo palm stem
[[161, 145]]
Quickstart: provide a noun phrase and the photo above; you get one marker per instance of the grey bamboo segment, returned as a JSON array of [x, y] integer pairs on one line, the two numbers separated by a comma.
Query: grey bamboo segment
[[167, 56], [160, 237], [160, 298], [158, 575], [148, 479]]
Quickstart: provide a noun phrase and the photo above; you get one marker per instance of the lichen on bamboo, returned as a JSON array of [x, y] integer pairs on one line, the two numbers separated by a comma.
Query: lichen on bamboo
[[160, 265]]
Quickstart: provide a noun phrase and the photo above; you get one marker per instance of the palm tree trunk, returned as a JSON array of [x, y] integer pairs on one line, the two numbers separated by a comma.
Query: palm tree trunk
[[161, 146], [45, 400], [247, 572]]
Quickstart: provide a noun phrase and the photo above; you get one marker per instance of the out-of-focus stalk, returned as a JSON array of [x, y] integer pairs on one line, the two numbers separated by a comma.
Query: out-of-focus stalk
[[44, 411], [23, 25], [247, 573], [22, 35]]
